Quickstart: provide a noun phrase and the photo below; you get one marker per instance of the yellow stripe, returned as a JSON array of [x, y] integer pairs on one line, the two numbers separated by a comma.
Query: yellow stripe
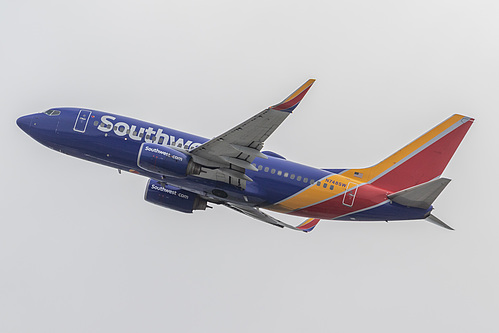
[[314, 194], [370, 173], [307, 221], [299, 90]]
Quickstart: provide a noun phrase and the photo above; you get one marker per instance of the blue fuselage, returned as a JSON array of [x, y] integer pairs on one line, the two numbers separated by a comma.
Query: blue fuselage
[[115, 141], [116, 145]]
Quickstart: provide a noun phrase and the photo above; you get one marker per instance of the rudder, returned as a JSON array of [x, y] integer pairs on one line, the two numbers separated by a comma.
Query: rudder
[[420, 161]]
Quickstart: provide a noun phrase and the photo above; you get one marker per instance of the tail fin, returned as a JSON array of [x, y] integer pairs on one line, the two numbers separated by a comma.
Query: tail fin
[[420, 161]]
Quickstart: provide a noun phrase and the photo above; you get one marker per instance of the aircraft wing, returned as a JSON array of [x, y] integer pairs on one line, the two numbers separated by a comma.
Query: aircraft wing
[[256, 213], [232, 152]]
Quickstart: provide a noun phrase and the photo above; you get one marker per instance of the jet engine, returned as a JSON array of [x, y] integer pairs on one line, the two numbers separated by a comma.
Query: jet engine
[[172, 197], [166, 161]]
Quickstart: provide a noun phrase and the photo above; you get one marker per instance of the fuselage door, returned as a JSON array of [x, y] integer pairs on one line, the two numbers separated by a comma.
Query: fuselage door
[[82, 121], [350, 193]]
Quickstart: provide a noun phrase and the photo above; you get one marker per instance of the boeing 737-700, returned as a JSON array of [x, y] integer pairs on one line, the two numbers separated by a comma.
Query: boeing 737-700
[[187, 172]]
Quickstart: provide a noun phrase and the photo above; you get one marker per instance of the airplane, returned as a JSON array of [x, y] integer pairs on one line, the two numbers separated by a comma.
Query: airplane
[[187, 172]]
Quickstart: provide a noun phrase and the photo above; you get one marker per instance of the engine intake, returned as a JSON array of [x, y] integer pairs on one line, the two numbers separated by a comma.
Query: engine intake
[[166, 161], [174, 198]]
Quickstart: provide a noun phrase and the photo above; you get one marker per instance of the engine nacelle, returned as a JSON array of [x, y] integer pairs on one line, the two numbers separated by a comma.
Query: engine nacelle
[[172, 197], [166, 161]]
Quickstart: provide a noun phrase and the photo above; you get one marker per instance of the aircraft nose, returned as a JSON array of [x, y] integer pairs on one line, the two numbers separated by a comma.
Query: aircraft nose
[[24, 123]]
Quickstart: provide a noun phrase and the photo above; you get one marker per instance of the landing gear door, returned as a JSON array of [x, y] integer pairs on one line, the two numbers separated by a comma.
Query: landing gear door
[[350, 193], [82, 121]]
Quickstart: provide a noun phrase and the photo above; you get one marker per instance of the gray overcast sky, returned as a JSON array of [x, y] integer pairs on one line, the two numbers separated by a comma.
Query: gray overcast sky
[[80, 251]]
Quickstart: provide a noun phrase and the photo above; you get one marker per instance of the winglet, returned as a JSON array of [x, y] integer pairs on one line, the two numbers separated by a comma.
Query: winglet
[[292, 101], [308, 225]]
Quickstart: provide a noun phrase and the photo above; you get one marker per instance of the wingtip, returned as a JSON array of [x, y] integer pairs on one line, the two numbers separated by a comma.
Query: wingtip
[[292, 101], [308, 225]]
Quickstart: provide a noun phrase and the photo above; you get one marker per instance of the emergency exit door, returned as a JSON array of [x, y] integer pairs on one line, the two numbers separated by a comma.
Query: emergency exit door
[[351, 192], [82, 121]]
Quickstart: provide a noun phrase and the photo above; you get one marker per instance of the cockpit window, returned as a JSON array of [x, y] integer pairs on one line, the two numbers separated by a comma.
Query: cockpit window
[[53, 112]]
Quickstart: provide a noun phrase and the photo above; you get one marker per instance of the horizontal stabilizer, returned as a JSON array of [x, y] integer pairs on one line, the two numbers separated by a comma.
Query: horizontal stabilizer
[[435, 220], [420, 196]]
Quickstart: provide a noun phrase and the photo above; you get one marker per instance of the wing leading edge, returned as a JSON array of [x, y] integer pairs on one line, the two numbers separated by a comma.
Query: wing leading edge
[[230, 154], [254, 212]]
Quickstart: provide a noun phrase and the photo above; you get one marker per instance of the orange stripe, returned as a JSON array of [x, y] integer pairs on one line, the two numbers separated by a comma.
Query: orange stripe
[[299, 90], [314, 194], [370, 173]]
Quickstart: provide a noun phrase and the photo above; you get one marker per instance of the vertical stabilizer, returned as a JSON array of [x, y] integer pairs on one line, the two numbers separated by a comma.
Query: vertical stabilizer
[[422, 160]]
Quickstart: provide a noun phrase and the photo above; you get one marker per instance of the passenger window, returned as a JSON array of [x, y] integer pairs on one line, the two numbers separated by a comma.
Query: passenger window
[[312, 181], [318, 183], [292, 176], [115, 128], [147, 137], [305, 180], [153, 138], [298, 178], [102, 125], [286, 174], [108, 126], [331, 187], [266, 169], [141, 135], [325, 185], [272, 171], [134, 133], [279, 172], [260, 167], [96, 123], [161, 139]]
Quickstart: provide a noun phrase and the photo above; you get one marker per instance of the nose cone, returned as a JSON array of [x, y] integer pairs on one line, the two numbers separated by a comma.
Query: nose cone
[[24, 123]]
